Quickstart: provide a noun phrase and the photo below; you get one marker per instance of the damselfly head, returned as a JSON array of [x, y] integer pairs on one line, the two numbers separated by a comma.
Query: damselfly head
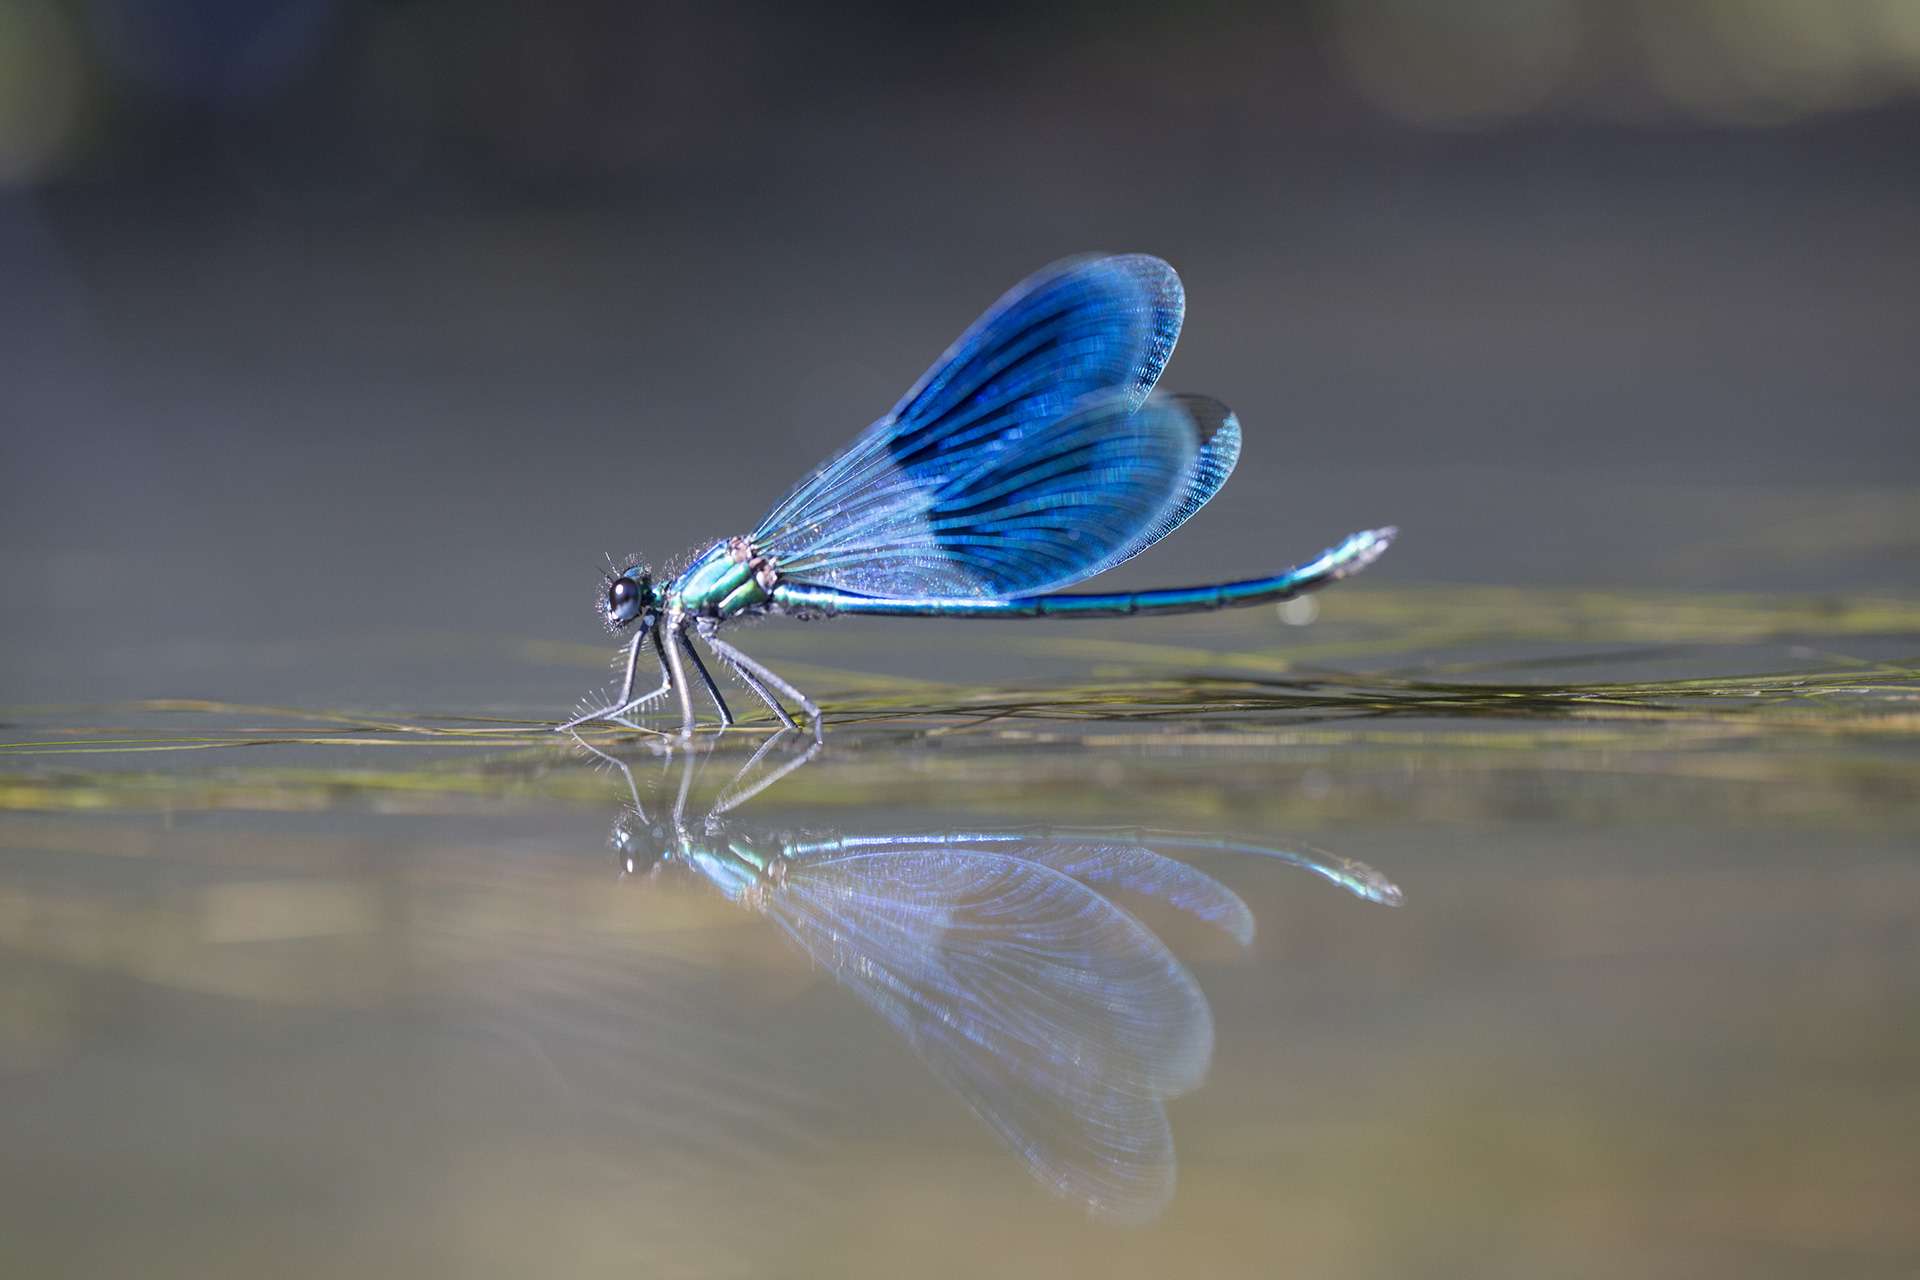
[[628, 594], [639, 848]]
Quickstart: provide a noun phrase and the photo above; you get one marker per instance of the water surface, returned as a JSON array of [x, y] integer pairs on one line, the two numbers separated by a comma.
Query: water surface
[[409, 992]]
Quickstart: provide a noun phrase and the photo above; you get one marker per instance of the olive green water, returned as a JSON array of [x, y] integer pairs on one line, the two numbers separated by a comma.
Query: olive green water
[[311, 990]]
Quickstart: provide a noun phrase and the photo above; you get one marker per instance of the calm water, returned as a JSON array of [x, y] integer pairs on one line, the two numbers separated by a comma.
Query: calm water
[[412, 995]]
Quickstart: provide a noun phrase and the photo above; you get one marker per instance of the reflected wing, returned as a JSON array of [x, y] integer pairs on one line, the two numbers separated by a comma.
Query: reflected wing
[[1028, 458], [1059, 1017], [1107, 860]]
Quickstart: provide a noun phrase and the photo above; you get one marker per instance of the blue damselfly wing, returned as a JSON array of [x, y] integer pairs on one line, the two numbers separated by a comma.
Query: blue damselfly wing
[[1216, 451], [1030, 457]]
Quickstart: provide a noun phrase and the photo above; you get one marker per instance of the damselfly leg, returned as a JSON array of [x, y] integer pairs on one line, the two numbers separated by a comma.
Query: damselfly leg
[[626, 703], [713, 690], [673, 655], [761, 672], [624, 714], [746, 677], [761, 692]]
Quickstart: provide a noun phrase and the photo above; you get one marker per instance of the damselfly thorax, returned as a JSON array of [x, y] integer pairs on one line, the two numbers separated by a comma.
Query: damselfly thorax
[[727, 579]]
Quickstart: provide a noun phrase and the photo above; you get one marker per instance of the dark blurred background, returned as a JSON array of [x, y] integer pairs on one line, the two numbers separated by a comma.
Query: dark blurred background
[[352, 327]]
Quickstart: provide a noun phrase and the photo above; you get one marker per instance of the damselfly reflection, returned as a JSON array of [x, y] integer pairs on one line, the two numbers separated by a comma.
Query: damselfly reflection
[[1002, 958]]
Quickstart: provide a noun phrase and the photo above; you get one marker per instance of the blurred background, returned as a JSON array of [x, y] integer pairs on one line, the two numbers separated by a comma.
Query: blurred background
[[383, 322]]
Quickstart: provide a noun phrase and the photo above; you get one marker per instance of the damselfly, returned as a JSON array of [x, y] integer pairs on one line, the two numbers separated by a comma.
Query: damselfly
[[1032, 456]]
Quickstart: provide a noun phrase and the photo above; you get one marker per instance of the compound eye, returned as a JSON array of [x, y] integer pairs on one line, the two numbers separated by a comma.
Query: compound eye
[[621, 593]]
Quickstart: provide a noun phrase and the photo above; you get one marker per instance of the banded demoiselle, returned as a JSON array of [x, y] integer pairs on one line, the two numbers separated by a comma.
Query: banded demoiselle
[[1033, 455]]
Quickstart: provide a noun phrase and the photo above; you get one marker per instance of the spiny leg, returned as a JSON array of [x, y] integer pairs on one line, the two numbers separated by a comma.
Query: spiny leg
[[765, 694], [621, 704], [767, 674], [678, 675], [666, 684], [713, 690], [752, 682], [747, 678]]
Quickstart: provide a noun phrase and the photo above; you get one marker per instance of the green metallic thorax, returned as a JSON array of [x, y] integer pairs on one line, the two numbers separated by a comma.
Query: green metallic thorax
[[724, 581], [743, 869]]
